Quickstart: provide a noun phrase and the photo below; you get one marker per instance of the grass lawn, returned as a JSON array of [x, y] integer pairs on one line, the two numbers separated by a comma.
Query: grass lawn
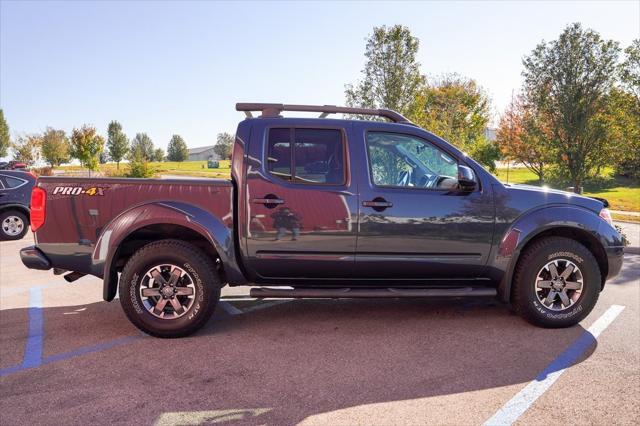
[[622, 193], [187, 168]]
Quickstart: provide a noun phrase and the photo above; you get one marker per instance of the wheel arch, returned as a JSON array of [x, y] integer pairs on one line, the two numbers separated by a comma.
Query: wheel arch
[[19, 207], [572, 222], [162, 220]]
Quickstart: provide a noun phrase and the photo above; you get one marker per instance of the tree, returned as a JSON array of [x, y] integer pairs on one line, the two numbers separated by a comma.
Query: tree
[[624, 105], [86, 146], [139, 166], [224, 145], [117, 143], [391, 77], [158, 154], [4, 135], [55, 147], [523, 135], [27, 149], [458, 110], [177, 149], [568, 80], [143, 143]]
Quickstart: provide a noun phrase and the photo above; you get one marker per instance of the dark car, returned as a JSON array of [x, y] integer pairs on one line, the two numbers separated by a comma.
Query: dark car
[[330, 208], [15, 196]]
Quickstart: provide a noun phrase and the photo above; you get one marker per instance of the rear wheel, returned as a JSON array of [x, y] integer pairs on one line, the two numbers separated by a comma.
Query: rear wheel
[[556, 283], [169, 288], [13, 225]]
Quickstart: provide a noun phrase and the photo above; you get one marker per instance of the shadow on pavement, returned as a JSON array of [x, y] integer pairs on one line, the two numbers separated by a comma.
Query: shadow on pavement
[[288, 362]]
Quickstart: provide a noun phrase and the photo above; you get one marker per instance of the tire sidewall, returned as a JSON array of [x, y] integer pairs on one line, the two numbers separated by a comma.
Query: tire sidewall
[[199, 312], [590, 287], [22, 217]]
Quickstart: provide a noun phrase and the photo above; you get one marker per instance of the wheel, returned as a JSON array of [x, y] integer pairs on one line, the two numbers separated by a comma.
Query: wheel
[[169, 288], [13, 225], [556, 283]]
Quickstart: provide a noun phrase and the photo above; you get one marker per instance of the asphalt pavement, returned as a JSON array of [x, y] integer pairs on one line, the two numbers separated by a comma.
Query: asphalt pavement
[[66, 357]]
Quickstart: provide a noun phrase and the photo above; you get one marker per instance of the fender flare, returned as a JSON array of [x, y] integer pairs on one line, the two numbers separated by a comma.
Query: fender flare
[[535, 222], [219, 235]]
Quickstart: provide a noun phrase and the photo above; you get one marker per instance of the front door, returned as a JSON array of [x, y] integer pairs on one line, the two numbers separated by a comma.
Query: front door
[[414, 224], [300, 205]]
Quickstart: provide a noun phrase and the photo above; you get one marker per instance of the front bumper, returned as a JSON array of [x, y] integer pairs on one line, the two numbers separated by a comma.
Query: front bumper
[[33, 258]]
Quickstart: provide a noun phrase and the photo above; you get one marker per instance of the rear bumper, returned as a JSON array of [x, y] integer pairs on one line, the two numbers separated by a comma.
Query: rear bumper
[[33, 258], [615, 256]]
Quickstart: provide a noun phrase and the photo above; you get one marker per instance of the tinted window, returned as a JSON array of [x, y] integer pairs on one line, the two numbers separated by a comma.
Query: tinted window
[[403, 160], [13, 182], [318, 155]]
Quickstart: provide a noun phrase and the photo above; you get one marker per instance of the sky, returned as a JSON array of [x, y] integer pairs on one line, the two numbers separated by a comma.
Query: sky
[[169, 68]]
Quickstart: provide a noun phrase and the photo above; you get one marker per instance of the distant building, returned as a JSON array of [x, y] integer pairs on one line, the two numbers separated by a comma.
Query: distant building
[[490, 134], [202, 153]]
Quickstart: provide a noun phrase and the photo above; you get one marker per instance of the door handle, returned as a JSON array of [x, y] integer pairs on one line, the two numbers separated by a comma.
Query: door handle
[[267, 201], [378, 204]]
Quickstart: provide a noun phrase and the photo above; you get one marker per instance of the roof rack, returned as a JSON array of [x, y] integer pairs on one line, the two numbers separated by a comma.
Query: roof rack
[[274, 110]]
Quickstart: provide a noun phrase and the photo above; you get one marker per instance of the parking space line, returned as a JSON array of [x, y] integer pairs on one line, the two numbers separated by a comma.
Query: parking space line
[[33, 348], [516, 406]]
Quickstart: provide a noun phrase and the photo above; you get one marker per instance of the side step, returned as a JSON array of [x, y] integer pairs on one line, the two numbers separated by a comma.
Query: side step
[[336, 293]]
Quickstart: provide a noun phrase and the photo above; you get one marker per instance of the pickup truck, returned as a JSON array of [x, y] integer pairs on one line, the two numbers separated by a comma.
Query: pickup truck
[[326, 208]]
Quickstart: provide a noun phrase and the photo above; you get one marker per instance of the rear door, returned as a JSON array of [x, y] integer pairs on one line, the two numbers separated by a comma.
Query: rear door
[[300, 203], [414, 223]]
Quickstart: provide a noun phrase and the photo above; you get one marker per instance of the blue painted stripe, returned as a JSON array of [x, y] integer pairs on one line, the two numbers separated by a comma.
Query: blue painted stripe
[[91, 349], [35, 339]]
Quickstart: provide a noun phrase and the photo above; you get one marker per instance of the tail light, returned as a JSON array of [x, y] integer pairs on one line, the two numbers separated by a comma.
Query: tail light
[[38, 208], [605, 214]]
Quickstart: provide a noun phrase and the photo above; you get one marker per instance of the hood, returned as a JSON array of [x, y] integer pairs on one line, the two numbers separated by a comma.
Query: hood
[[543, 195]]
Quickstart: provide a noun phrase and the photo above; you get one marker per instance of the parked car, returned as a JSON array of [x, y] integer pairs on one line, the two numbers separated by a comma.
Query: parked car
[[331, 208], [15, 195]]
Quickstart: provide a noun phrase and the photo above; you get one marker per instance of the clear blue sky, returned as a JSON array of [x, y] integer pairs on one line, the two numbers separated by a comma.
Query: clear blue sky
[[165, 68]]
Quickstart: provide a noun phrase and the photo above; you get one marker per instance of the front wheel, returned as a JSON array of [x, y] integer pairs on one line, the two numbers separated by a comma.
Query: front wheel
[[556, 283], [169, 288]]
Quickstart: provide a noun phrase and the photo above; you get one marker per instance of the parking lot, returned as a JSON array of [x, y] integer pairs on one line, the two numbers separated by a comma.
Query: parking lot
[[67, 357]]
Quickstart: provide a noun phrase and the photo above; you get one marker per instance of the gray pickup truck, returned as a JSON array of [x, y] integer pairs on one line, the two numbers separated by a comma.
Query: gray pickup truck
[[326, 208]]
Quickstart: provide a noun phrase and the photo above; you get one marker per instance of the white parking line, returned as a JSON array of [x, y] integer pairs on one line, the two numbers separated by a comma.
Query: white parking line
[[516, 406]]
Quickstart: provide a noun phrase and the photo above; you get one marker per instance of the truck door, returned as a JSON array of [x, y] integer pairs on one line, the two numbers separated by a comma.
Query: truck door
[[414, 223], [300, 206]]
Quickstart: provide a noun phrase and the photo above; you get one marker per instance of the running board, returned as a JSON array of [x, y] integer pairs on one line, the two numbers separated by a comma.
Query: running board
[[336, 293]]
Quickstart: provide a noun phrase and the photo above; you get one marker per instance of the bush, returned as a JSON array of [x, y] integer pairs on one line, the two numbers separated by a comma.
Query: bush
[[139, 166]]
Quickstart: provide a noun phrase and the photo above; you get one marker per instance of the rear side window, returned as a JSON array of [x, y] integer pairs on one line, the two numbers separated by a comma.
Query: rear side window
[[315, 157], [13, 182]]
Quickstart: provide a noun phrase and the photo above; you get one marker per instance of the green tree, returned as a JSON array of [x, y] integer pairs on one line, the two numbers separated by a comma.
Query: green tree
[[86, 146], [55, 147], [624, 106], [224, 145], [391, 77], [143, 143], [177, 149], [139, 165], [158, 155], [458, 110], [27, 149], [117, 143], [5, 141], [569, 80]]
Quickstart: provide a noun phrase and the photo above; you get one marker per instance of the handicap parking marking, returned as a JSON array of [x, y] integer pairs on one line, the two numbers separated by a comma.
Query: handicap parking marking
[[522, 401]]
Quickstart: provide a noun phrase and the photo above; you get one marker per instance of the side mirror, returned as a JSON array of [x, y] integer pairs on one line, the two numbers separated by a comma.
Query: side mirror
[[466, 179]]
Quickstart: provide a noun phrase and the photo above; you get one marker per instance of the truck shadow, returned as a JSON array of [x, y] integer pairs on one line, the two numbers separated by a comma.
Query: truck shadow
[[278, 365]]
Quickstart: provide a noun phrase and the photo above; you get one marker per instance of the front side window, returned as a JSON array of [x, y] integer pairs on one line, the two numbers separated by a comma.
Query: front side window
[[397, 160], [317, 157]]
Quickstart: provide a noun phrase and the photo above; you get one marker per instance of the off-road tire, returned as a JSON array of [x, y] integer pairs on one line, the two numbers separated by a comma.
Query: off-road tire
[[25, 227], [535, 257], [188, 257]]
